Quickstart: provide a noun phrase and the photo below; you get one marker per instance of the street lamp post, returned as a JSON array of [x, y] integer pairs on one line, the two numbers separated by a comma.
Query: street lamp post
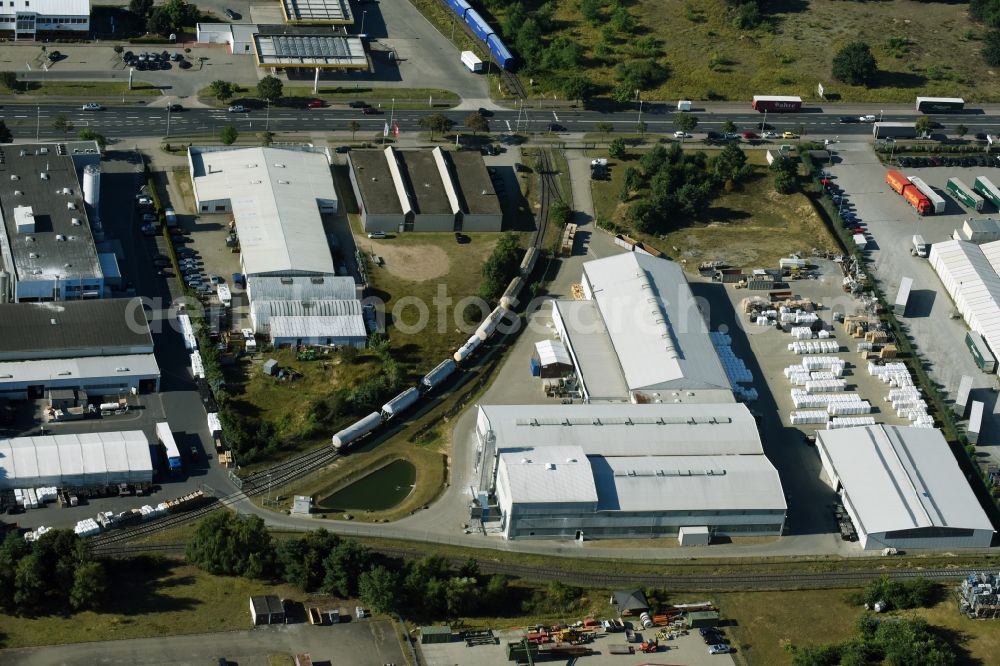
[[638, 120], [364, 15], [168, 120], [267, 118], [38, 122], [763, 125]]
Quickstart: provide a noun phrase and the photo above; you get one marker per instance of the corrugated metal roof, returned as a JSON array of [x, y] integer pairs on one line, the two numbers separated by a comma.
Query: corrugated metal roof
[[550, 352], [120, 368], [627, 429], [348, 326], [656, 327], [61, 328], [90, 458], [550, 474], [687, 483], [901, 478], [274, 195], [315, 288]]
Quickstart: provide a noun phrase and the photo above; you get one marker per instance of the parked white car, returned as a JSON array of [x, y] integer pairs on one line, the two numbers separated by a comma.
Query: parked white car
[[681, 135], [867, 119], [92, 106]]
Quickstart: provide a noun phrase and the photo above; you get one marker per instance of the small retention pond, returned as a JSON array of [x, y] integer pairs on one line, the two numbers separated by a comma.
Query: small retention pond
[[382, 489]]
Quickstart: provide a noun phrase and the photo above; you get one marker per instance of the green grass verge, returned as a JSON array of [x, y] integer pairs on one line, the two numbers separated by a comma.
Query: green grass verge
[[105, 91]]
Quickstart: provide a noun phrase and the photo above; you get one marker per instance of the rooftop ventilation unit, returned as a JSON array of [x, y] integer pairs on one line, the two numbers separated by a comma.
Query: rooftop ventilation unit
[[67, 265], [29, 239], [17, 193], [283, 182], [70, 205], [33, 255], [66, 190], [279, 165], [53, 321], [550, 465], [75, 222], [44, 151], [43, 175], [60, 237], [14, 176]]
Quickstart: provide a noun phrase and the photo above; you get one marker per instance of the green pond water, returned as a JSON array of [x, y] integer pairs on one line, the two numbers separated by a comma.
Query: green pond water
[[382, 489]]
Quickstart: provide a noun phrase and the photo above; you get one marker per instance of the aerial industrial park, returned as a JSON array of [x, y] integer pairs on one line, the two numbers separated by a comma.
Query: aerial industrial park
[[442, 332]]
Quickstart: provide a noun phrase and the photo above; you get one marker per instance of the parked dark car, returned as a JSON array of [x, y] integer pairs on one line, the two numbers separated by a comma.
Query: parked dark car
[[370, 111], [358, 104], [342, 149], [184, 64], [174, 108], [556, 127]]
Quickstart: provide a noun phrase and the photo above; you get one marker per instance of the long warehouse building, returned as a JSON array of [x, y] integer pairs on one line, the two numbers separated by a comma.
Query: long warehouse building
[[971, 275], [624, 471], [67, 461], [902, 488]]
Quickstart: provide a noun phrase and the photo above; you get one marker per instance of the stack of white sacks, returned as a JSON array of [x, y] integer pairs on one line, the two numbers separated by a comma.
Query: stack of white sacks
[[814, 346], [148, 512], [905, 397], [37, 534], [87, 527]]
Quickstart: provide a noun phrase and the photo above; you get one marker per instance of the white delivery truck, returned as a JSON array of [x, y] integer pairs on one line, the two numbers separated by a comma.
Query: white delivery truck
[[225, 297], [684, 105], [472, 61], [920, 246]]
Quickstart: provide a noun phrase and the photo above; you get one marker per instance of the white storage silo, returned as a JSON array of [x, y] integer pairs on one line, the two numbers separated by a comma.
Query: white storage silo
[[92, 189]]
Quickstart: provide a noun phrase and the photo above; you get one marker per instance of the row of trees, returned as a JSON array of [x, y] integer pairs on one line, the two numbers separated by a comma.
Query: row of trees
[[55, 574], [167, 18]]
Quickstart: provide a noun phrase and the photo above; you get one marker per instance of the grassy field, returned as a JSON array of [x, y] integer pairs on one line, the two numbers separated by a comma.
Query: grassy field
[[767, 624], [740, 227], [149, 597], [926, 48]]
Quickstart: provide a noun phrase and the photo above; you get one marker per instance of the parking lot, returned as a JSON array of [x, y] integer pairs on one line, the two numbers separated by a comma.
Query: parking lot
[[690, 650], [891, 223]]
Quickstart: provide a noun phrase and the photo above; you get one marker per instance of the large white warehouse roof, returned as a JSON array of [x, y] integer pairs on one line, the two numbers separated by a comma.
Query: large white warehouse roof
[[75, 460], [276, 196], [969, 273], [900, 478], [626, 429], [657, 330]]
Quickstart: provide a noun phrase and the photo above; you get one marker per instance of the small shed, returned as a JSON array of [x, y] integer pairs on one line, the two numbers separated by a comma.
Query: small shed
[[550, 360], [629, 602], [694, 535], [270, 367], [266, 609], [436, 634], [302, 504], [699, 619]]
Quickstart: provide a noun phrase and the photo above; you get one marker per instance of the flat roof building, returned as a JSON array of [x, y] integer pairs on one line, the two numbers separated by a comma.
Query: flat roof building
[[328, 12], [639, 335], [103, 347], [593, 471], [418, 190], [276, 197], [30, 19], [902, 488], [47, 248], [284, 46]]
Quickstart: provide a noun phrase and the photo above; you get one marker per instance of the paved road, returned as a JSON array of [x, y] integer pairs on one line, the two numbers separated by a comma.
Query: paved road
[[28, 121]]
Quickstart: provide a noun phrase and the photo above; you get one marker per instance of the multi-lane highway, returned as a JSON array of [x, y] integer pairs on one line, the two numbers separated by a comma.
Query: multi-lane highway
[[36, 121]]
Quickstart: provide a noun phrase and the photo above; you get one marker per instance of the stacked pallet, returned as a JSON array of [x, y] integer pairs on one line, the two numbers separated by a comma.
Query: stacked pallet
[[814, 347]]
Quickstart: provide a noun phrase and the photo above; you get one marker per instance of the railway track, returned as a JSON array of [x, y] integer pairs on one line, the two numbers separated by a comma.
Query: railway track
[[547, 193], [513, 84]]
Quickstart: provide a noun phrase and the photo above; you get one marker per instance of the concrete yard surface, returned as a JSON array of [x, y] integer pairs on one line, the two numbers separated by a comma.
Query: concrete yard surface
[[689, 650], [358, 643]]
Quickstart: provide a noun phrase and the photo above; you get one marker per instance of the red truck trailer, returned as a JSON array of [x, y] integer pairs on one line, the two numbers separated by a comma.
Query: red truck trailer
[[776, 103], [902, 185]]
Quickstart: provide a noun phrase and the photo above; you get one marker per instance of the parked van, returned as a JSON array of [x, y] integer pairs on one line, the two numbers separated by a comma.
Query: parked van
[[684, 105], [376, 234]]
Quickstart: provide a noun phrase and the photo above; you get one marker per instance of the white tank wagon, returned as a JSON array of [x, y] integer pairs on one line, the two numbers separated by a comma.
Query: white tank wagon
[[356, 430], [509, 299], [466, 350], [400, 403], [528, 262], [490, 324], [440, 373]]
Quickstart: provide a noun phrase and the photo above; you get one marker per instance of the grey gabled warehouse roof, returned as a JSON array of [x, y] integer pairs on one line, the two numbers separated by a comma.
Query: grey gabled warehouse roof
[[345, 326], [901, 478], [58, 329], [302, 288]]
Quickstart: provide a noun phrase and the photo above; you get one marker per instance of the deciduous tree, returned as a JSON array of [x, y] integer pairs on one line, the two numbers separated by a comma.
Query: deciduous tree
[[270, 88], [855, 64], [436, 122], [228, 135], [477, 123], [222, 90]]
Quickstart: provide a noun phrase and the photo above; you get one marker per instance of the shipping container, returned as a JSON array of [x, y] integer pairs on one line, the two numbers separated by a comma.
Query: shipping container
[[400, 403], [964, 194], [478, 24], [985, 187], [441, 372], [166, 439], [940, 104], [500, 52], [936, 200], [895, 130], [981, 353], [776, 103], [356, 430], [472, 61]]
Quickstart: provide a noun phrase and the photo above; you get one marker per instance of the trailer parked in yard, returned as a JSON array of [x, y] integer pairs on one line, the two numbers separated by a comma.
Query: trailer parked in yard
[[981, 353], [985, 187], [964, 194], [166, 439], [902, 185], [937, 201], [940, 104], [902, 296], [472, 61], [975, 422]]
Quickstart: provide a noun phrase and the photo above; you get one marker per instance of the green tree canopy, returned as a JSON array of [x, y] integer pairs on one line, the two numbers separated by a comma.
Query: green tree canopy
[[228, 135], [500, 267], [436, 122], [855, 64], [5, 134], [477, 123], [231, 545], [577, 88], [685, 121], [378, 588], [270, 88], [222, 90]]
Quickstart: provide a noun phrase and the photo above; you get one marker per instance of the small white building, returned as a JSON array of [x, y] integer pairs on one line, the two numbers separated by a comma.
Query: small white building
[[31, 19], [902, 488]]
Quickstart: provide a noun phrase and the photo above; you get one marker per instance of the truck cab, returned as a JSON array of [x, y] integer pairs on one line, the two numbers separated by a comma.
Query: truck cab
[[920, 247]]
